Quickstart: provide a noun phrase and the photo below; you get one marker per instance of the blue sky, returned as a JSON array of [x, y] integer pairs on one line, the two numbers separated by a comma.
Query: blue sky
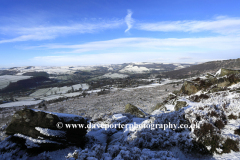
[[96, 32]]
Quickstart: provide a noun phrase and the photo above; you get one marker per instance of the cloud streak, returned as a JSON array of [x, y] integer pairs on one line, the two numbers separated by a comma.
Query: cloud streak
[[208, 43], [129, 21], [221, 24], [51, 32], [46, 32], [97, 59]]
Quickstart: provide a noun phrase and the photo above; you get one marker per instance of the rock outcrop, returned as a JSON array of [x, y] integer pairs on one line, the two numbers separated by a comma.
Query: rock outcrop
[[222, 79], [223, 72], [198, 98], [46, 130], [223, 82], [161, 107], [129, 108], [179, 105], [189, 88]]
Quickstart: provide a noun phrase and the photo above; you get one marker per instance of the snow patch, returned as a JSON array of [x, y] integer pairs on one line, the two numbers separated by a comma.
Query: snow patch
[[50, 132], [218, 72], [134, 69], [20, 103], [32, 142]]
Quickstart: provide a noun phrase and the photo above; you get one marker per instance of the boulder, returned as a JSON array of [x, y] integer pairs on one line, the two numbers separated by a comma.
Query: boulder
[[179, 105], [171, 96], [189, 88], [129, 108], [161, 107], [209, 75], [224, 71], [47, 129], [211, 84], [197, 98], [223, 82], [217, 89]]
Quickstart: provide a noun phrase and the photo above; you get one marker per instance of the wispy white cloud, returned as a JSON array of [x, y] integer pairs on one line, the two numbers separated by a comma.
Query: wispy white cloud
[[209, 43], [51, 32], [127, 57], [129, 21], [46, 31], [185, 58], [36, 37], [98, 59], [221, 24]]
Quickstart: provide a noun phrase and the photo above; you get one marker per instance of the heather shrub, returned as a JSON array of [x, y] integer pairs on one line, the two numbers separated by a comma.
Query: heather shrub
[[231, 116], [207, 135], [237, 131], [213, 114], [219, 124], [230, 145]]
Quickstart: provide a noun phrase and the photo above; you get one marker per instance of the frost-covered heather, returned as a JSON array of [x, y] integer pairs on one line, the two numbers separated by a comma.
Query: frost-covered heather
[[95, 106], [147, 143]]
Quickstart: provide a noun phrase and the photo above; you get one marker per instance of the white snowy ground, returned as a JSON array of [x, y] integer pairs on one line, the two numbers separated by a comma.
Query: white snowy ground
[[20, 103]]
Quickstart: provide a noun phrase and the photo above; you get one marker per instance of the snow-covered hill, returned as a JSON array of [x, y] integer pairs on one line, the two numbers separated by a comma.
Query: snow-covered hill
[[132, 68]]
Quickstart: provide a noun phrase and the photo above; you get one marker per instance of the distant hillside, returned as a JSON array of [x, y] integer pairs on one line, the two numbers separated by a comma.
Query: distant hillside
[[36, 74], [211, 67], [25, 84]]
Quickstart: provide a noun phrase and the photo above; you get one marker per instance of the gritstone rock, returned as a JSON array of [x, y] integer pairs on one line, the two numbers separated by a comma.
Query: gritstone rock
[[129, 108], [39, 129], [179, 105]]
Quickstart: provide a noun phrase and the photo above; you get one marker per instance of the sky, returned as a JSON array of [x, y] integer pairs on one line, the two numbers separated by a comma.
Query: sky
[[100, 32]]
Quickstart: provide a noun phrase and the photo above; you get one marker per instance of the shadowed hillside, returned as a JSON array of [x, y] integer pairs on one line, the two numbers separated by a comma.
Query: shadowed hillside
[[210, 67]]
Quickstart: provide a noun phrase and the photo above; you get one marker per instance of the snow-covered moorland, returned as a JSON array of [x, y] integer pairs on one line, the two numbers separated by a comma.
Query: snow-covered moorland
[[219, 121], [206, 102]]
